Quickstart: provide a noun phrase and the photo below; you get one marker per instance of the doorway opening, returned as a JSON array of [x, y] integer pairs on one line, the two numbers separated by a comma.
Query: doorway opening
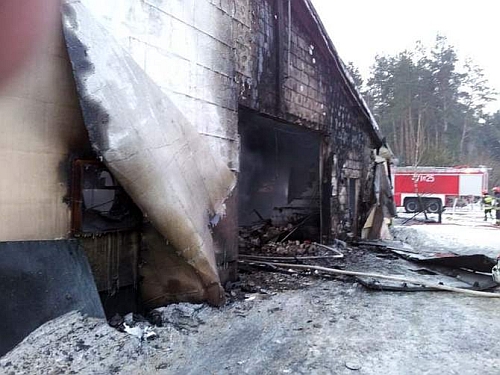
[[279, 190]]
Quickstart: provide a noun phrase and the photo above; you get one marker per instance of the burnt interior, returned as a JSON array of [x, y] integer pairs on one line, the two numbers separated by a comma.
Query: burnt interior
[[100, 204], [107, 224], [279, 178]]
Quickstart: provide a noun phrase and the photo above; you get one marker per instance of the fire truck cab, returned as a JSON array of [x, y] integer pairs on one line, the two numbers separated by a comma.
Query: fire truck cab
[[437, 187]]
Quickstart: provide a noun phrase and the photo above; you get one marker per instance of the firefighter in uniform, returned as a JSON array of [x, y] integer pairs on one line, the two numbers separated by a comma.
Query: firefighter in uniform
[[496, 203], [487, 202]]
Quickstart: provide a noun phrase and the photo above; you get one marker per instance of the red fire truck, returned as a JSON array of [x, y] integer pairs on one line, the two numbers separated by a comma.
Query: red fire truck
[[437, 187]]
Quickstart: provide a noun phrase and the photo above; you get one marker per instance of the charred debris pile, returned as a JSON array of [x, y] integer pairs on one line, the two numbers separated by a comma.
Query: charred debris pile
[[377, 265], [264, 244], [264, 240]]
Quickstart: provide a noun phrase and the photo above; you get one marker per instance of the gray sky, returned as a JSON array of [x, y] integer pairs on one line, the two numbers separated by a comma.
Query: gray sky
[[362, 28]]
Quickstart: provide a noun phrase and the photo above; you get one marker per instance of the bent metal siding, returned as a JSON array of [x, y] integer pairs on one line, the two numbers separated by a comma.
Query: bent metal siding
[[155, 153]]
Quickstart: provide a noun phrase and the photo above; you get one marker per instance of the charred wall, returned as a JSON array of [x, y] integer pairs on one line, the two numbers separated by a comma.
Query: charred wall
[[286, 70]]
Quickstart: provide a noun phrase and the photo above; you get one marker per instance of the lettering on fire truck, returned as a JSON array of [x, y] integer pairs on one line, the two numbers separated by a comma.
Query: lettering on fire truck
[[423, 178]]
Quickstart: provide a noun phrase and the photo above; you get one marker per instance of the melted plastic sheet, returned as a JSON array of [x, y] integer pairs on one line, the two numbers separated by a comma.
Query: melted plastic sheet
[[149, 146]]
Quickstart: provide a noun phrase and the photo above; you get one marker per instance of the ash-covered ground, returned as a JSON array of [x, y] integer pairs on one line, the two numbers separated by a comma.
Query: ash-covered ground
[[293, 323]]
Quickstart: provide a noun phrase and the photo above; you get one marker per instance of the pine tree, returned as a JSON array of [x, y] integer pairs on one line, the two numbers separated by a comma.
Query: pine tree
[[430, 111], [474, 96]]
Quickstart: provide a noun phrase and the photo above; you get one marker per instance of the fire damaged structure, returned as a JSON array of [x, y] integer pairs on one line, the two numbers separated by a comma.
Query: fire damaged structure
[[144, 133]]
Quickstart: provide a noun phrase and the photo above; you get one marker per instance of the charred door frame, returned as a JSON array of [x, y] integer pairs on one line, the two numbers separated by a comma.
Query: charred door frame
[[113, 254], [76, 193]]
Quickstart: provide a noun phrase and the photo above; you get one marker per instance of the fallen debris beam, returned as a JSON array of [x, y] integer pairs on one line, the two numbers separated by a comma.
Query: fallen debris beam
[[263, 257], [386, 277], [339, 254]]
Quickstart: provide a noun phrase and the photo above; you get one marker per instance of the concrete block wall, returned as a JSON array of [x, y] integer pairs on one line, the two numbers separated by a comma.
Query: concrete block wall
[[313, 93], [308, 85], [187, 48], [307, 72], [256, 55]]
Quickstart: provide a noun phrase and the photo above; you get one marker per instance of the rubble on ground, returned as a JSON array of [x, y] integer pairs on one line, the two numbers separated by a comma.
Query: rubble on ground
[[76, 344], [268, 240]]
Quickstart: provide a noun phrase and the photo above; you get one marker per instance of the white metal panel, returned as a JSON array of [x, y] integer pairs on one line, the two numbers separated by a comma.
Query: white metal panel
[[470, 184]]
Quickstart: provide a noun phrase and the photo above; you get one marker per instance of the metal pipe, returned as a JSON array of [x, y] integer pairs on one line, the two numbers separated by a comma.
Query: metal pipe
[[284, 258], [339, 254]]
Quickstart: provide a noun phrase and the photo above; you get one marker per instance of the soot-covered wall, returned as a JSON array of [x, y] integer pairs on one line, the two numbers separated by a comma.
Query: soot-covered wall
[[286, 69]]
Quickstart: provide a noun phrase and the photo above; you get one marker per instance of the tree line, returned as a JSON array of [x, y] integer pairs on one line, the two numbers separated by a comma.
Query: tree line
[[431, 107]]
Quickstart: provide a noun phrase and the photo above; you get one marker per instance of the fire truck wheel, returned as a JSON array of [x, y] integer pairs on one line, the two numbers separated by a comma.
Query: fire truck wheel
[[433, 206], [411, 205]]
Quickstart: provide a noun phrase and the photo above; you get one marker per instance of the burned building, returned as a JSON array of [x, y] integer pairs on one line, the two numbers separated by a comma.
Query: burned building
[[293, 87], [145, 132]]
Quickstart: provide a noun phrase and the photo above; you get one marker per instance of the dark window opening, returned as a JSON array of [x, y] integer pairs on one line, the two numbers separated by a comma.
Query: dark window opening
[[99, 203]]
